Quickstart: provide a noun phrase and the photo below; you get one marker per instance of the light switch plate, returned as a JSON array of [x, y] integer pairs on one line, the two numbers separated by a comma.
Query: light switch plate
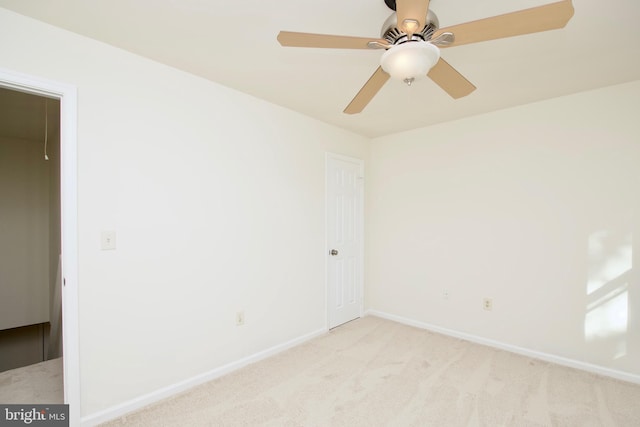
[[108, 240]]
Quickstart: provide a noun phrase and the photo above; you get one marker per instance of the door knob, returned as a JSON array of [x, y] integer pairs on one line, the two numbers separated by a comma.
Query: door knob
[[334, 252]]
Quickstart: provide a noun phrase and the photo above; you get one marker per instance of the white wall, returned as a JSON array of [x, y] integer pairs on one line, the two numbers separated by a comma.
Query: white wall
[[217, 199], [537, 207]]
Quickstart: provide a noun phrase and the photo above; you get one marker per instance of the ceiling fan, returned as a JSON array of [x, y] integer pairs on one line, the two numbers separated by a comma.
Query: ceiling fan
[[412, 40]]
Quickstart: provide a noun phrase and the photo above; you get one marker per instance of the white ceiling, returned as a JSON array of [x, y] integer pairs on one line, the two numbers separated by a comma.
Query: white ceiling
[[234, 43]]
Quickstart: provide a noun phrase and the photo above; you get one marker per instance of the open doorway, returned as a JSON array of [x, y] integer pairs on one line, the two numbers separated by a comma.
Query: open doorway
[[30, 250], [67, 96]]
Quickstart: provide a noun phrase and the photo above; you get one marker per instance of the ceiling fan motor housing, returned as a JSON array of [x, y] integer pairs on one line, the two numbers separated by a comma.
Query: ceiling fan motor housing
[[391, 4], [391, 33]]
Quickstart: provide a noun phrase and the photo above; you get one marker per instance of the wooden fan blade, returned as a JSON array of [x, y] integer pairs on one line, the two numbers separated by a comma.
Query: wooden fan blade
[[368, 91], [288, 38], [411, 10], [450, 80], [542, 18]]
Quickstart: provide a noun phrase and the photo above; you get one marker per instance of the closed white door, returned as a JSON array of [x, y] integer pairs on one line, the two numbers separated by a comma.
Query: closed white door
[[345, 184]]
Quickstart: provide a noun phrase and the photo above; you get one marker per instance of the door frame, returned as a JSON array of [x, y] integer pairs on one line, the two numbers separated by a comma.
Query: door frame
[[360, 162], [67, 95]]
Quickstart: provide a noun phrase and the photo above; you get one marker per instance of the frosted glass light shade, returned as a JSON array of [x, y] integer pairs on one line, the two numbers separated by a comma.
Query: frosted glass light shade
[[410, 60]]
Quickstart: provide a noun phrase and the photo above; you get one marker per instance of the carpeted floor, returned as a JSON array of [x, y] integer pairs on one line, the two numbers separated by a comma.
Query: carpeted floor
[[374, 372], [39, 383]]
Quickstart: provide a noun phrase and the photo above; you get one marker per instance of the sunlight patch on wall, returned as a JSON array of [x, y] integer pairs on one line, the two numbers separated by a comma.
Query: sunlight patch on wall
[[607, 312], [610, 256], [608, 317]]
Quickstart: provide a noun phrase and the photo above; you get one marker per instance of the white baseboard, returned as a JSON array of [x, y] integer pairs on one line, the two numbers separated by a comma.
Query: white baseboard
[[155, 396], [620, 375]]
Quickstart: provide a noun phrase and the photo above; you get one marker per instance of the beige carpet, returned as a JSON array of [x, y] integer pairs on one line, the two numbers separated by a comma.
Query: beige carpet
[[373, 372], [39, 383]]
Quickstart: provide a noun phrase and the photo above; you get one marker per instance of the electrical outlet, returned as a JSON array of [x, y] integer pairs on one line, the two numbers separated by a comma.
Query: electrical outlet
[[487, 304], [108, 240], [240, 318]]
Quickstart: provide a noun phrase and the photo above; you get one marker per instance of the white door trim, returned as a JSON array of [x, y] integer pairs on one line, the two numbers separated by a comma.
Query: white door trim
[[360, 162], [67, 95]]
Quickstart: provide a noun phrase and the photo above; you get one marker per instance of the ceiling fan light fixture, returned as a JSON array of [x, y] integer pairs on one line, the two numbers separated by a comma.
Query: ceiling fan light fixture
[[409, 61]]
